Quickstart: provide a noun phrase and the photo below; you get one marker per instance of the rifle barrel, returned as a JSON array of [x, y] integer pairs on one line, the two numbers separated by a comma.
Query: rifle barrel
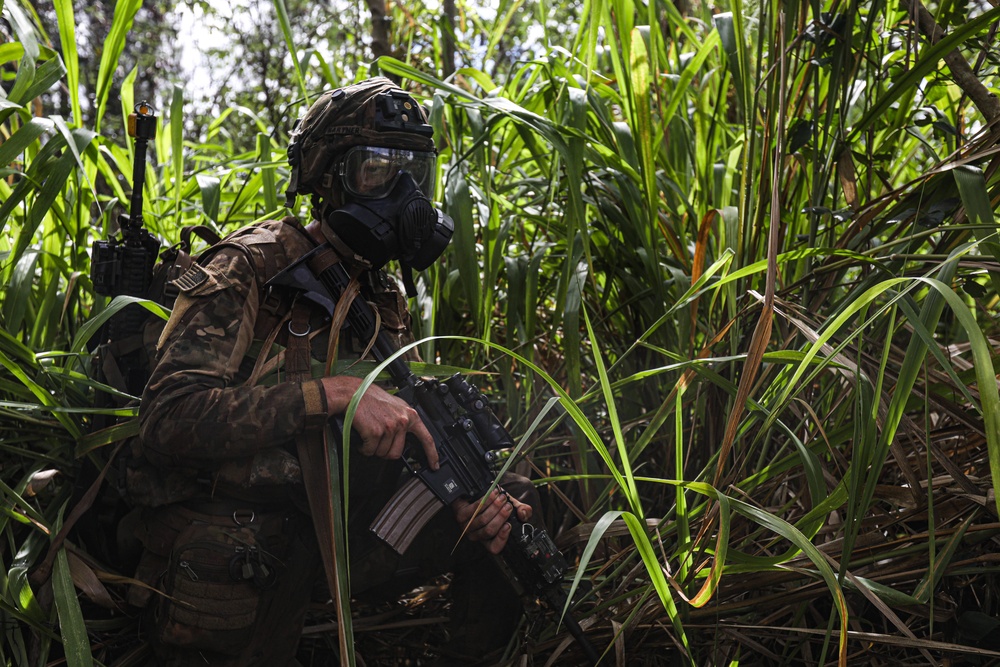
[[138, 183], [142, 127]]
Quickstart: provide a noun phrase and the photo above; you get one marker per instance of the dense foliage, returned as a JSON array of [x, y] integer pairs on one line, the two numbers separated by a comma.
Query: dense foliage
[[732, 266]]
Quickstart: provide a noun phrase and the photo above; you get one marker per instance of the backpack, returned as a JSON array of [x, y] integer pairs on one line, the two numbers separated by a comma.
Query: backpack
[[124, 363], [125, 355]]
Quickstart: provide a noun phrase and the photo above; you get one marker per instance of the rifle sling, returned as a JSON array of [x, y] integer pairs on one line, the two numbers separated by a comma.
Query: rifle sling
[[315, 450]]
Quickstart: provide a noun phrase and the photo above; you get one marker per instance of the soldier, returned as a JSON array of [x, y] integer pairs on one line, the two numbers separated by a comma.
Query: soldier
[[238, 390]]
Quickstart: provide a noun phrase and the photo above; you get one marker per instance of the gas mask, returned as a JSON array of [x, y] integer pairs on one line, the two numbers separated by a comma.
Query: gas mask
[[402, 225]]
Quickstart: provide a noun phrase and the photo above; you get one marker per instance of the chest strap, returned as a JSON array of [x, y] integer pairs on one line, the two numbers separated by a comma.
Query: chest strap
[[298, 351]]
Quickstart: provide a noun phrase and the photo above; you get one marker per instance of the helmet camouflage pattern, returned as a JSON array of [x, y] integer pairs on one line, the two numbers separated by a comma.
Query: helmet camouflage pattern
[[375, 112]]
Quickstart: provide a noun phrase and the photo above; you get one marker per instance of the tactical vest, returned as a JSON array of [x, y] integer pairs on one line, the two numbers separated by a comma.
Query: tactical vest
[[269, 246]]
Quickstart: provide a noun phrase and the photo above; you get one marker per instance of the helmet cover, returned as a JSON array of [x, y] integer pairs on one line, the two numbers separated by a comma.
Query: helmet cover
[[375, 112]]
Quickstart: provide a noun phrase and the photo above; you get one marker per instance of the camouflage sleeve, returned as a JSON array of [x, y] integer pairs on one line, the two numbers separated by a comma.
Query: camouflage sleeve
[[194, 411]]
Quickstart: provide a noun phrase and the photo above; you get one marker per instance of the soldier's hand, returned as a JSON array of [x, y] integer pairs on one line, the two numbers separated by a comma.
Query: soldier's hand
[[487, 521], [382, 420]]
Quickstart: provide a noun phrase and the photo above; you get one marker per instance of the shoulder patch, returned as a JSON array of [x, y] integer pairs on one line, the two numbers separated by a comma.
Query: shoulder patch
[[191, 278]]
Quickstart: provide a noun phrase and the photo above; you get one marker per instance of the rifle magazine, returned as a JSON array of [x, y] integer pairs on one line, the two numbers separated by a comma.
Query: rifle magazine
[[406, 514]]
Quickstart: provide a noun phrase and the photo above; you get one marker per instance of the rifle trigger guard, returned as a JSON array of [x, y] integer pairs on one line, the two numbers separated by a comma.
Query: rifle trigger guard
[[298, 334]]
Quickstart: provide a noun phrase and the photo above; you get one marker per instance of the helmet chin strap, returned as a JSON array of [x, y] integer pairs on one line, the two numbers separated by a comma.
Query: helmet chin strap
[[407, 271], [345, 252], [350, 257]]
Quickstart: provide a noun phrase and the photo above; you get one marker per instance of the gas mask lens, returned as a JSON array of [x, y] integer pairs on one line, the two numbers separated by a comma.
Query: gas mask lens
[[370, 172]]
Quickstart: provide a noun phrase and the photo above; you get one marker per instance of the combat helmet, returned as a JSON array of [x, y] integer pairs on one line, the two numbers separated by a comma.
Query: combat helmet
[[374, 113]]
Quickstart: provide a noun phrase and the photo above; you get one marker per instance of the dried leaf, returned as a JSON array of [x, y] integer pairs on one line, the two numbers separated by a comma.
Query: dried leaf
[[86, 579], [39, 480]]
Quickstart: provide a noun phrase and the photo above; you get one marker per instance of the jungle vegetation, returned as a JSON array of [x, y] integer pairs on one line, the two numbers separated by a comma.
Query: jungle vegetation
[[731, 267]]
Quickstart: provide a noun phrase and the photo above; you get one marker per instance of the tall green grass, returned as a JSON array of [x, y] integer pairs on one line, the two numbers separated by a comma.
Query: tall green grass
[[771, 147]]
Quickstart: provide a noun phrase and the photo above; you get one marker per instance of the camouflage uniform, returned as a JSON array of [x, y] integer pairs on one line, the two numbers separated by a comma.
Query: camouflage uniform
[[217, 473]]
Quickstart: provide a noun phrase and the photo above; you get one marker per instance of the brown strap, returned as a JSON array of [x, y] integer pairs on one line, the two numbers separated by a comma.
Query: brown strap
[[259, 365], [343, 250], [314, 451], [206, 234], [297, 353], [275, 362], [323, 260]]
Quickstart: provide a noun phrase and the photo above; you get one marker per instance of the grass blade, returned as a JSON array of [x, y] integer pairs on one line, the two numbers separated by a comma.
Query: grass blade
[[71, 60], [111, 51], [72, 628]]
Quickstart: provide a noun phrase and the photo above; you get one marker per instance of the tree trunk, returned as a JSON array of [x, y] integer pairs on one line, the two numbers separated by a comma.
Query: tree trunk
[[447, 38], [380, 28], [965, 78]]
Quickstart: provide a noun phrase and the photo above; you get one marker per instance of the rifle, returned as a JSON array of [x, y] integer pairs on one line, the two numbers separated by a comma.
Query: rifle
[[121, 265], [466, 433], [124, 265]]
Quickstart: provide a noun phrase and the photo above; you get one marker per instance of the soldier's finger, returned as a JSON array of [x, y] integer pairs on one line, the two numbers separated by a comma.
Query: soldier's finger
[[474, 517], [462, 511], [496, 545], [499, 520], [381, 445], [478, 514], [393, 443], [396, 445], [368, 445], [523, 510], [501, 510], [492, 523], [417, 428], [482, 513]]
